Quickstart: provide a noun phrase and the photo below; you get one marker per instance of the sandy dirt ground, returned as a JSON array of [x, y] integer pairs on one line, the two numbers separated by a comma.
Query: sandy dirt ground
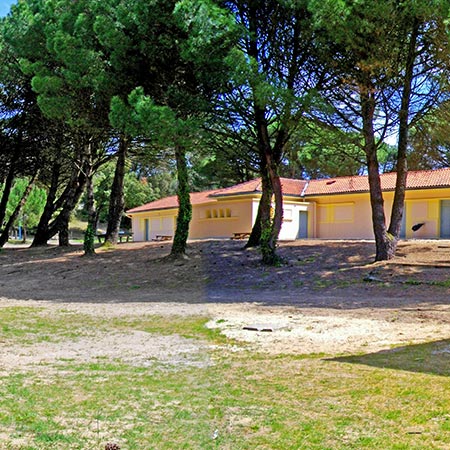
[[328, 297]]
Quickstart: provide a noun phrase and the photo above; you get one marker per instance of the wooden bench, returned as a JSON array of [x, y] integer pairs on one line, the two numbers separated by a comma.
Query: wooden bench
[[127, 235], [242, 235], [162, 237], [101, 236]]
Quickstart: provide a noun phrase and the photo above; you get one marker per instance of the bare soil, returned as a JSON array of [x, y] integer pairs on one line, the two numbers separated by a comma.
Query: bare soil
[[328, 297]]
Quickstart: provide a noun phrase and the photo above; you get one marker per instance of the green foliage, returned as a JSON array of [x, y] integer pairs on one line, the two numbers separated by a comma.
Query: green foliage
[[219, 169], [430, 144], [364, 45], [208, 25], [65, 63], [137, 191], [34, 206], [212, 32], [317, 151], [142, 117]]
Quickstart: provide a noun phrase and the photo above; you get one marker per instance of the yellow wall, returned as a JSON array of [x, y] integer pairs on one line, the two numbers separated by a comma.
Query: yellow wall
[[422, 211], [221, 218], [160, 223], [215, 219], [424, 206], [349, 216], [291, 211], [346, 216]]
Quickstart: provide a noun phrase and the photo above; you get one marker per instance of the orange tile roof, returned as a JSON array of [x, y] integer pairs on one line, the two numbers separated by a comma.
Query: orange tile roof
[[247, 187], [171, 202], [423, 179], [289, 186], [293, 187], [338, 185], [427, 179]]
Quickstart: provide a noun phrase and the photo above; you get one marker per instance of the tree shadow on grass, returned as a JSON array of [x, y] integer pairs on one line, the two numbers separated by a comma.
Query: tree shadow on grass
[[431, 358]]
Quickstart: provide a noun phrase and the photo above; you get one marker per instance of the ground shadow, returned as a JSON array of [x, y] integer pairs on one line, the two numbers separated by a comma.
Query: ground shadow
[[430, 358], [316, 274]]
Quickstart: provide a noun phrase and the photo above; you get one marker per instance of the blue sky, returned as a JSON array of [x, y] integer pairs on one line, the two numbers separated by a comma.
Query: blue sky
[[5, 5]]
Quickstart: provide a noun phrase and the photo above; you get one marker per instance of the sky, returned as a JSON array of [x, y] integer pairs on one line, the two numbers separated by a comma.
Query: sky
[[5, 5]]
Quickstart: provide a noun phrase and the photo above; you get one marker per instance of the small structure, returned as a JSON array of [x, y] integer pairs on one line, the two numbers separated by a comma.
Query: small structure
[[219, 213], [337, 208]]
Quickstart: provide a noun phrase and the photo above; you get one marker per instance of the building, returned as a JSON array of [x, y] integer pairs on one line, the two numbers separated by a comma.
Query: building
[[334, 208]]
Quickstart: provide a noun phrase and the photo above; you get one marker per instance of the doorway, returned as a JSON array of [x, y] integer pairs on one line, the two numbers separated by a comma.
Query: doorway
[[445, 219], [303, 225], [147, 229]]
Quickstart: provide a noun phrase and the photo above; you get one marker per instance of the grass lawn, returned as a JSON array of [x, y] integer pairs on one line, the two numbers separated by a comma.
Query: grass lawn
[[231, 398]]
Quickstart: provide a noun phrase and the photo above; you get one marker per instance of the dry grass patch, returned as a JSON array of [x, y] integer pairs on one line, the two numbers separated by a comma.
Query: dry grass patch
[[189, 387]]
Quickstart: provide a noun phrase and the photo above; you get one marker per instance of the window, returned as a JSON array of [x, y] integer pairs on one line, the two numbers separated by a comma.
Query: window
[[287, 214], [343, 213], [338, 213], [221, 213]]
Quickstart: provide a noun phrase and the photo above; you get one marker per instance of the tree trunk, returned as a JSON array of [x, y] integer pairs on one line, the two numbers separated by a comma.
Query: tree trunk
[[263, 209], [89, 236], [402, 166], [5, 233], [384, 242], [67, 202], [61, 223], [254, 239], [116, 202], [270, 257], [270, 226], [266, 219], [63, 233], [184, 205], [40, 238], [6, 192], [269, 233]]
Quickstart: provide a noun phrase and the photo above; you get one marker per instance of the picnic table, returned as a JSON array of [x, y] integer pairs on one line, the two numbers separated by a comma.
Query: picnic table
[[162, 237], [241, 235], [127, 235]]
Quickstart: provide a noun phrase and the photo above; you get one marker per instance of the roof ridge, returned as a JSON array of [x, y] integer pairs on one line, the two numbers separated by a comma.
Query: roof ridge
[[305, 188], [258, 180]]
